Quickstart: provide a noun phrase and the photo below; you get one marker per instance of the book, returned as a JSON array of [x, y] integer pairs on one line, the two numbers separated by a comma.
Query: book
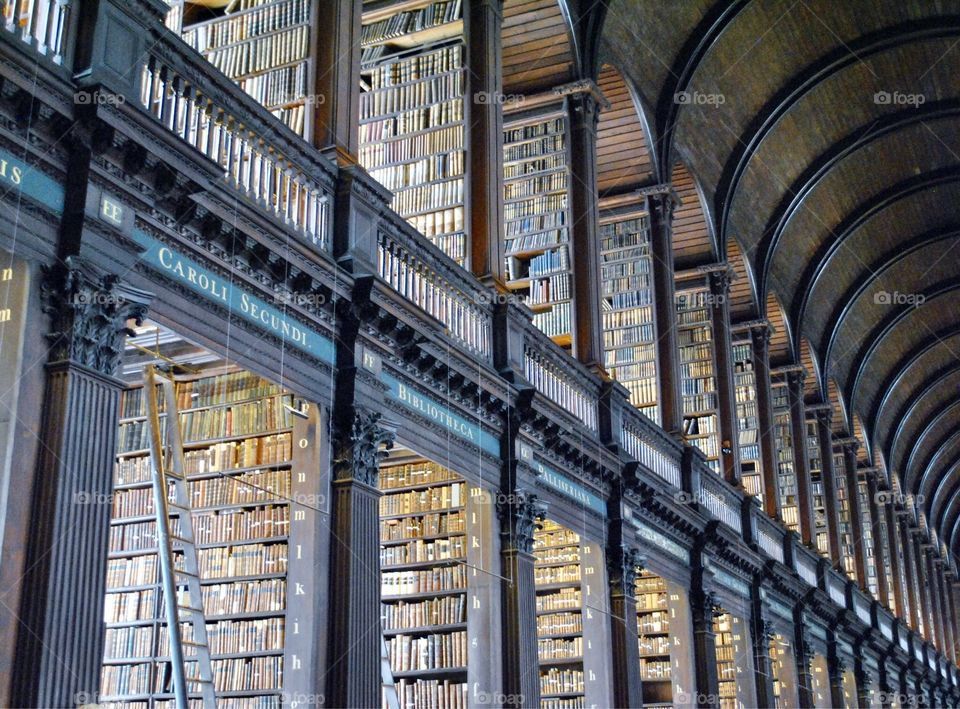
[[697, 372]]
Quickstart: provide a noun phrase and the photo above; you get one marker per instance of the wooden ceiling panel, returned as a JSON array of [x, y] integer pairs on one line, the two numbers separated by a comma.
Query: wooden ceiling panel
[[811, 385], [743, 302], [623, 157], [536, 46], [692, 241], [781, 351]]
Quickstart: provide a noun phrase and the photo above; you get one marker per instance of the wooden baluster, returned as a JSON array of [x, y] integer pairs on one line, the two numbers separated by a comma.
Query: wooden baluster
[[56, 30], [41, 17]]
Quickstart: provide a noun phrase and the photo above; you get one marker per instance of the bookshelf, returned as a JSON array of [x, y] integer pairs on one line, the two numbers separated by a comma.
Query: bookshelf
[[697, 372], [748, 420], [629, 331], [412, 115], [847, 541], [786, 475], [536, 183], [867, 542], [655, 639], [240, 463], [424, 598], [560, 611], [728, 641], [263, 45], [822, 532]]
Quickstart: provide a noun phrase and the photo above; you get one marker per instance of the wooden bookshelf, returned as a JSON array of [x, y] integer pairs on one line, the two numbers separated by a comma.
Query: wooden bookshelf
[[867, 542], [536, 185], [243, 487], [627, 304], [847, 542], [424, 595], [748, 420], [816, 488], [412, 115], [729, 647], [655, 640], [698, 372], [786, 475], [559, 616], [263, 45]]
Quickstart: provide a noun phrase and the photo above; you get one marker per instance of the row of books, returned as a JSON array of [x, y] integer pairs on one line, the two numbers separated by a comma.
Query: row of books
[[626, 233], [560, 623], [441, 578], [557, 574], [429, 197], [424, 526], [441, 694], [552, 261], [562, 555], [241, 525], [244, 489], [236, 420], [690, 336], [562, 599], [709, 446], [534, 205], [444, 228], [536, 233], [242, 560], [658, 622], [651, 600], [698, 384], [430, 652], [255, 596], [376, 105], [235, 636], [622, 317], [429, 500], [701, 372], [693, 353], [133, 571], [133, 537], [551, 289], [559, 648], [532, 166], [233, 28], [403, 23], [700, 402], [638, 269], [643, 372], [655, 645], [280, 87], [444, 139], [693, 317], [420, 66], [643, 392], [431, 169], [444, 118], [541, 184], [538, 129], [561, 681], [693, 299], [130, 605], [262, 53], [445, 610], [654, 670], [423, 551], [119, 680], [628, 355], [135, 641], [612, 285]]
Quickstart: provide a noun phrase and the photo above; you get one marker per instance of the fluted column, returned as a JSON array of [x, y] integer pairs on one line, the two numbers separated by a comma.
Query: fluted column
[[850, 447], [836, 667], [929, 630], [762, 632], [906, 543], [702, 611], [483, 23], [880, 552], [585, 103], [661, 206], [519, 513], [60, 641], [801, 461], [726, 391], [864, 681], [885, 502], [803, 655], [353, 674], [825, 435], [622, 564], [760, 348]]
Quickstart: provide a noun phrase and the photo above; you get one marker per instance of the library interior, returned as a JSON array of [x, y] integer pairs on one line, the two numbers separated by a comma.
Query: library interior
[[434, 354]]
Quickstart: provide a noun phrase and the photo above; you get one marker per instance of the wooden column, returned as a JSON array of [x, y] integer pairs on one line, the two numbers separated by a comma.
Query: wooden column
[[929, 632], [661, 206], [519, 514], [483, 22], [885, 501], [936, 638], [801, 461], [880, 554], [824, 415], [585, 103], [948, 618], [622, 564], [760, 347], [353, 673], [946, 641], [906, 543], [59, 645], [850, 446], [863, 680], [336, 99], [726, 390], [951, 593], [836, 667]]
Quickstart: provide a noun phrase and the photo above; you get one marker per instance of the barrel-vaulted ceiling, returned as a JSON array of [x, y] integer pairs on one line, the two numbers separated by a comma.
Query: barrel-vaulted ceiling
[[825, 139]]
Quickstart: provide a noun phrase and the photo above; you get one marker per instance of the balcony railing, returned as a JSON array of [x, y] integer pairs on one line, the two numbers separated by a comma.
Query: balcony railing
[[422, 274], [805, 564], [38, 23], [769, 536], [560, 378], [720, 500], [650, 446], [260, 156]]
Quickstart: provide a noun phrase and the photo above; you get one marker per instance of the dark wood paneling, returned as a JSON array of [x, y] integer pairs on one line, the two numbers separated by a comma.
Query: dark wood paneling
[[623, 157], [536, 46]]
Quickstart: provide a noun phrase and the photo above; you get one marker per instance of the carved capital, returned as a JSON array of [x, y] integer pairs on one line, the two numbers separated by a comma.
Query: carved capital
[[824, 416], [623, 563], [796, 377], [520, 515], [764, 630], [760, 335], [720, 281], [362, 447], [89, 311], [661, 205]]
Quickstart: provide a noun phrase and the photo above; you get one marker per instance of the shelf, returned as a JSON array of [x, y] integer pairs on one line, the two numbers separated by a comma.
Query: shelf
[[426, 538], [422, 595], [424, 564], [429, 674], [430, 35], [206, 443], [426, 629], [441, 510], [547, 587]]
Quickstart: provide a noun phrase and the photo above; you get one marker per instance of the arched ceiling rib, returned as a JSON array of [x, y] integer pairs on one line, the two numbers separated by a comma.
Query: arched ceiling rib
[[826, 139]]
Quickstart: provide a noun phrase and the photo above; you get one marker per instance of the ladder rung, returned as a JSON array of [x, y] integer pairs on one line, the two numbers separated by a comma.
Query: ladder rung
[[184, 572], [177, 507], [191, 643], [191, 609], [177, 538], [199, 680]]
